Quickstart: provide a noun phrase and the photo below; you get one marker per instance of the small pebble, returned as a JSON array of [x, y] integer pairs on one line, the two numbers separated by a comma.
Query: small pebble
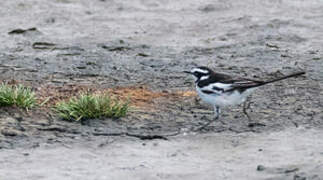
[[260, 168]]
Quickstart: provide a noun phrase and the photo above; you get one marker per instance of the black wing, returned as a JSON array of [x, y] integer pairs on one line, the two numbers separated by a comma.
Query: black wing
[[242, 84], [219, 83]]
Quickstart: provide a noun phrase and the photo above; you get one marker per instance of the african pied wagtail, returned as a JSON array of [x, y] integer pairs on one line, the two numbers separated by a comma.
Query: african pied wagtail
[[222, 90]]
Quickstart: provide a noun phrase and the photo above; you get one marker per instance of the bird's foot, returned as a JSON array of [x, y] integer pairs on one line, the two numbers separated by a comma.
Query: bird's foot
[[224, 123], [204, 125]]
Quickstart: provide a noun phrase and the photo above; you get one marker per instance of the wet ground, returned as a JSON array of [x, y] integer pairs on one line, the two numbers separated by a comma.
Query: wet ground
[[139, 49]]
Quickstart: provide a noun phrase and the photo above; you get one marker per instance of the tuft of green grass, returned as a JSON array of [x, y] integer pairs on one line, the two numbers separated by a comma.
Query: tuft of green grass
[[88, 106], [17, 95]]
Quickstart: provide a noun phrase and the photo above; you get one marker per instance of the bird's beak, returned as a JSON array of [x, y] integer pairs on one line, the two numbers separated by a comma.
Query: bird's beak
[[188, 72]]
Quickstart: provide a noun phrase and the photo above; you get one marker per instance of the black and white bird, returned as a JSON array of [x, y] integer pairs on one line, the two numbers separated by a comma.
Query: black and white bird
[[221, 90]]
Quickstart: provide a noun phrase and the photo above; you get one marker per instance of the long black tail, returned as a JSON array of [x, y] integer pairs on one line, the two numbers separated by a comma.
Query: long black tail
[[244, 86], [281, 78]]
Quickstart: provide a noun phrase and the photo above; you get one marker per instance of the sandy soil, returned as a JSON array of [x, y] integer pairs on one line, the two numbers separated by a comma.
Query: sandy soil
[[140, 48], [290, 154]]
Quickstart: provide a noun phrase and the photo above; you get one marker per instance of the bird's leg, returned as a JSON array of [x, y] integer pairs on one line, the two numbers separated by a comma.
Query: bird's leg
[[246, 105], [216, 112]]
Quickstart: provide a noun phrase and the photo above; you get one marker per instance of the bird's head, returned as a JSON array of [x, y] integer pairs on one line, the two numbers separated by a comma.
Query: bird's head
[[200, 73]]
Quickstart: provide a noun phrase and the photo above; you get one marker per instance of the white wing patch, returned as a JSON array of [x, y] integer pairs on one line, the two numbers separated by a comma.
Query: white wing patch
[[243, 82], [216, 88], [222, 86], [204, 77]]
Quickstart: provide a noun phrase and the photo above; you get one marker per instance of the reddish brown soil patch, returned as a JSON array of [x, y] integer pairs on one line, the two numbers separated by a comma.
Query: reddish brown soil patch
[[138, 96], [143, 97]]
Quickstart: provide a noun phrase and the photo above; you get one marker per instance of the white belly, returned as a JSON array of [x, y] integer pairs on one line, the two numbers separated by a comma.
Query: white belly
[[222, 100]]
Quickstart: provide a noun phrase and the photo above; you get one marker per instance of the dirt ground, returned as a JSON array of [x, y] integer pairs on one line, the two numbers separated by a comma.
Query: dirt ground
[[138, 49]]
